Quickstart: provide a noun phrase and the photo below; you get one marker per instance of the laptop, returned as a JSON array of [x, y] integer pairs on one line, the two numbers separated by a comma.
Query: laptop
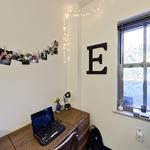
[[45, 127]]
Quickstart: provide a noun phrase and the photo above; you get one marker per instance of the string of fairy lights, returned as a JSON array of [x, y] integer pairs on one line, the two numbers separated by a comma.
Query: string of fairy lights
[[73, 12], [66, 38]]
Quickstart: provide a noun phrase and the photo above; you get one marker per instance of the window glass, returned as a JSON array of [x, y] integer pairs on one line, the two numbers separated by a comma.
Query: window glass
[[148, 88], [148, 43], [133, 86], [133, 46]]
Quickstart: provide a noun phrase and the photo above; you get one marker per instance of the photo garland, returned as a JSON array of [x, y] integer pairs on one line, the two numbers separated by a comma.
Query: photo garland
[[7, 55]]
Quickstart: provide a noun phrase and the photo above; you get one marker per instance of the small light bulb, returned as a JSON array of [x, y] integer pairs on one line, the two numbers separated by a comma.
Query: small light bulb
[[66, 15], [68, 58]]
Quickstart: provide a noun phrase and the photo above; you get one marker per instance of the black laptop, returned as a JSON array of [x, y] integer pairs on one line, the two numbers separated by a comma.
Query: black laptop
[[44, 126]]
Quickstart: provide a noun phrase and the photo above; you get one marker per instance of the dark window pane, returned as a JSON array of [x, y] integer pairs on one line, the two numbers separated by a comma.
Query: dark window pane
[[148, 88], [148, 43], [133, 86], [133, 46]]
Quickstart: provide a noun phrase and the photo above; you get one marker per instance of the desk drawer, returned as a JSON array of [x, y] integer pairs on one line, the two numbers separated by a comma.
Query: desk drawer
[[83, 133], [83, 141], [83, 127]]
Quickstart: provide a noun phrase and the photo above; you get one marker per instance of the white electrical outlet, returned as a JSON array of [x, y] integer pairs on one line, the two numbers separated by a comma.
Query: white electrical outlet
[[139, 135]]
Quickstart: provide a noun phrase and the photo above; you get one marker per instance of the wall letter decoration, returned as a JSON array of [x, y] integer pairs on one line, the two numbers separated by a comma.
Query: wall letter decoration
[[99, 59]]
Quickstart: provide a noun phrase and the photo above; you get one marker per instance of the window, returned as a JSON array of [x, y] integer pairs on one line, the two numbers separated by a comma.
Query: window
[[134, 64]]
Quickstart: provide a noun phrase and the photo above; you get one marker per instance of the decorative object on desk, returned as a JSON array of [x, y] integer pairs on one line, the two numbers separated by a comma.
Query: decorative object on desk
[[62, 103], [7, 55], [58, 106], [67, 95]]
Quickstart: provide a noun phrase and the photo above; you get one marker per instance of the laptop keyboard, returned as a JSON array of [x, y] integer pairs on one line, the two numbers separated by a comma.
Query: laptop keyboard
[[49, 133]]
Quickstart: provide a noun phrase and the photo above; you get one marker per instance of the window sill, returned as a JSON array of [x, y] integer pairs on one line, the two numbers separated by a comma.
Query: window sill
[[131, 115]]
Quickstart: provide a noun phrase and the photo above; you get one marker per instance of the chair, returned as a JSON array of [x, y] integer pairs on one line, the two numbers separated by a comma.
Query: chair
[[70, 143]]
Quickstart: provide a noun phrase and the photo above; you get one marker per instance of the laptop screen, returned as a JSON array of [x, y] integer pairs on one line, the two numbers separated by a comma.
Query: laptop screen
[[42, 119]]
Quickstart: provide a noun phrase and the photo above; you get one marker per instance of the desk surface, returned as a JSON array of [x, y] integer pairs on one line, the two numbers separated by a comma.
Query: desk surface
[[23, 139]]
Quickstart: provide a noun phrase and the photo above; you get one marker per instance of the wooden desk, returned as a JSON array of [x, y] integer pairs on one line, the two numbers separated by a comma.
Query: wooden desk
[[73, 119]]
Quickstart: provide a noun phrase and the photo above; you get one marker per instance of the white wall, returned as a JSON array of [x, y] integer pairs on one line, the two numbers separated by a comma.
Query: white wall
[[29, 25], [74, 53], [73, 65], [99, 92]]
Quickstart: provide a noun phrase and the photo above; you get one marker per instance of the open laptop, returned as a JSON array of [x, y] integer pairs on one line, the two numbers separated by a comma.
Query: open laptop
[[44, 126]]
